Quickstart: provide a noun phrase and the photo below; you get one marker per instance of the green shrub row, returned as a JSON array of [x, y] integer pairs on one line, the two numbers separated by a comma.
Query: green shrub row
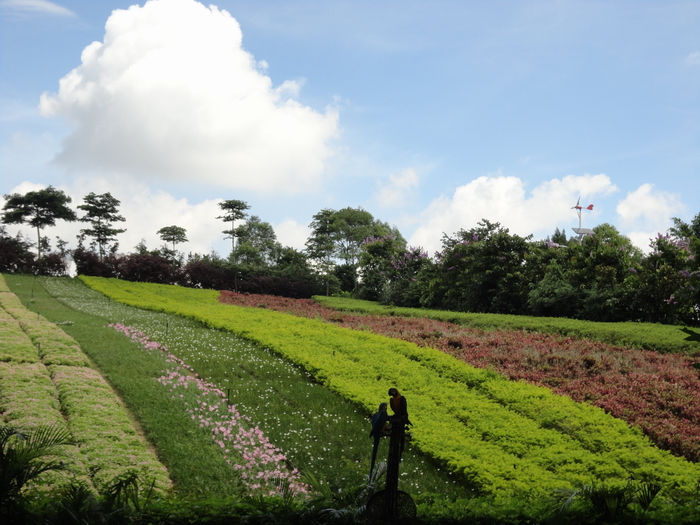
[[28, 400], [54, 346], [62, 390], [462, 416], [101, 425], [649, 336], [15, 346]]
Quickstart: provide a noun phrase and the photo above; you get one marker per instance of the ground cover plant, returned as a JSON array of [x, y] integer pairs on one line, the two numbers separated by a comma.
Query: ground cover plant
[[506, 437], [648, 336], [317, 430], [45, 382], [659, 393]]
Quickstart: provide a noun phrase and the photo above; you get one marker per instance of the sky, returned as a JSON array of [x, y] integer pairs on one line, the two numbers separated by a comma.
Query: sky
[[432, 115]]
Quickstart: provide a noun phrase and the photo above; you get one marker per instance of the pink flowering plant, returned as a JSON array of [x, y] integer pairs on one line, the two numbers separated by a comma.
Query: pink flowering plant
[[259, 463]]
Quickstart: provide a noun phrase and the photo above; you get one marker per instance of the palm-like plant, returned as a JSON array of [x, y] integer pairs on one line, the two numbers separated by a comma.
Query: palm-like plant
[[23, 457], [613, 502]]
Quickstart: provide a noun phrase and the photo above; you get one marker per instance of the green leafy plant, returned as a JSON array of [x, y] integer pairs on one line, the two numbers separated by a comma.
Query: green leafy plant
[[24, 456], [612, 502]]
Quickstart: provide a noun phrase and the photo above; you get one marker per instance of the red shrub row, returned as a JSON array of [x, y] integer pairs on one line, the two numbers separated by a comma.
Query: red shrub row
[[659, 393]]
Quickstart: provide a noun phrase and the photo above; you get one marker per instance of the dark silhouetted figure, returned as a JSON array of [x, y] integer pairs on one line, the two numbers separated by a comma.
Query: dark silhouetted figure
[[398, 404], [379, 421]]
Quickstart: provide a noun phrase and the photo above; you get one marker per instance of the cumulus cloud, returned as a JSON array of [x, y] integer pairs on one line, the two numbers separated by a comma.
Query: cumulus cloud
[[645, 212], [394, 192], [171, 93], [37, 6], [290, 233], [504, 199]]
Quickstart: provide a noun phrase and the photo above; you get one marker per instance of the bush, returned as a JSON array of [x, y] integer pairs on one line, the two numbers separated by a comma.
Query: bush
[[15, 256], [88, 262], [147, 269]]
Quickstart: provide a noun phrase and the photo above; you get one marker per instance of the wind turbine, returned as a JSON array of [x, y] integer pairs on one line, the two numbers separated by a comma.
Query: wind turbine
[[581, 232]]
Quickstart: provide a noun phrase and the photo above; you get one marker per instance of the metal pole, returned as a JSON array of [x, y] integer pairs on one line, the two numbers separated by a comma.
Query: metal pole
[[396, 443]]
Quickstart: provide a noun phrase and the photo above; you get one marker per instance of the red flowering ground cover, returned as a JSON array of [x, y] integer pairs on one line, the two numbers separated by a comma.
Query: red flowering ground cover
[[659, 393]]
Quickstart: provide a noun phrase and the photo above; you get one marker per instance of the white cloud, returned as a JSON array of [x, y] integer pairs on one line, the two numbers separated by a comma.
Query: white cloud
[[172, 94], [503, 199], [290, 233], [693, 59], [37, 6], [394, 192], [26, 187], [645, 212]]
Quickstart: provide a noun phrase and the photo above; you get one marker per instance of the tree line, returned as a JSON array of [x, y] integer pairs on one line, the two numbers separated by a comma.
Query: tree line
[[600, 277]]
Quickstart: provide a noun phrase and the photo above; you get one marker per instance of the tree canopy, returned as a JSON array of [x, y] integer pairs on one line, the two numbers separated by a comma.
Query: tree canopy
[[39, 209], [257, 243], [339, 236], [101, 211], [173, 234], [234, 210]]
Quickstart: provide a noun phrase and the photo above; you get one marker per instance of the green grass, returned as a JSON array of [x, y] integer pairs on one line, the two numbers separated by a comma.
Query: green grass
[[318, 431], [649, 336]]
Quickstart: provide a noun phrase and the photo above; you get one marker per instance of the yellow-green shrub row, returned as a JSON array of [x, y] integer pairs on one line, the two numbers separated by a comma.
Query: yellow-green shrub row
[[98, 420], [28, 397], [15, 346], [56, 388], [55, 346], [506, 437]]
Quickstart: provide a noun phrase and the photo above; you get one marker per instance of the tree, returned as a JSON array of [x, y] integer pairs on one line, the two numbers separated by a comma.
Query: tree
[[665, 286], [39, 209], [234, 211], [15, 253], [341, 234], [683, 230], [404, 285], [320, 246], [559, 237], [257, 243], [553, 295], [480, 270], [597, 268], [101, 212], [351, 226], [173, 234], [377, 260]]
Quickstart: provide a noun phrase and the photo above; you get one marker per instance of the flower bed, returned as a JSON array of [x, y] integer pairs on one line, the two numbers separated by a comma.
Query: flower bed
[[659, 393], [505, 437], [261, 463]]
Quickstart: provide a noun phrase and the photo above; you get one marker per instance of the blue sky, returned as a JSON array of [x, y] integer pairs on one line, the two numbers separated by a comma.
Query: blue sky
[[429, 114]]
